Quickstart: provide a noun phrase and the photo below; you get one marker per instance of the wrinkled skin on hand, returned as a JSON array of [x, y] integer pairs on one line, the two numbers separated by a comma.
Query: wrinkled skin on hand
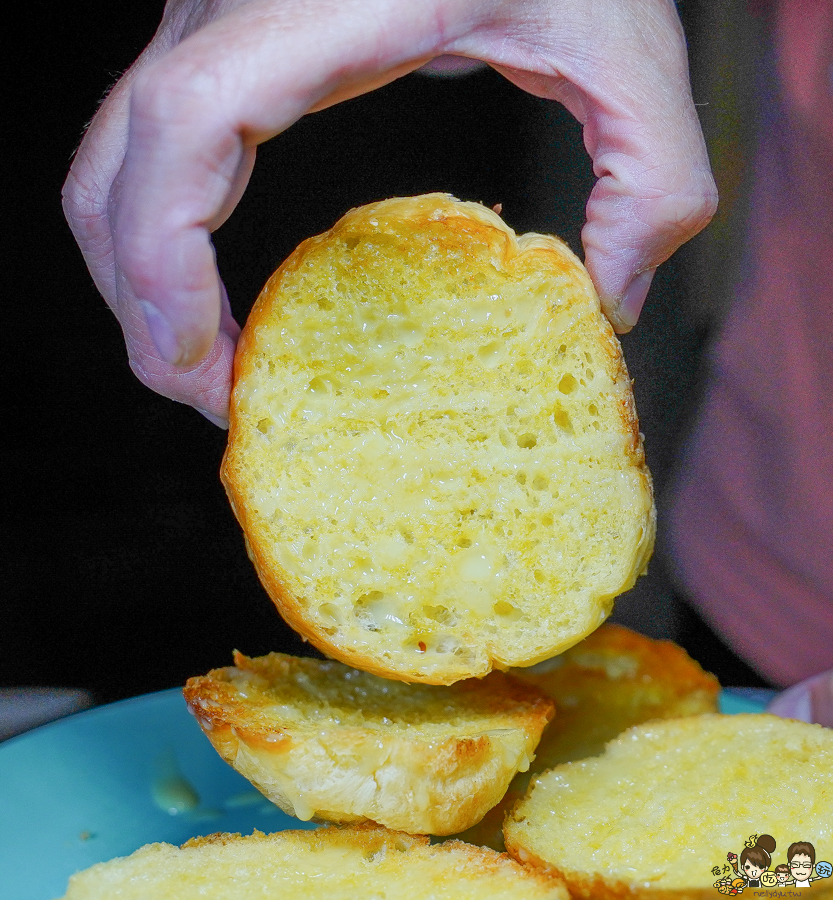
[[169, 153]]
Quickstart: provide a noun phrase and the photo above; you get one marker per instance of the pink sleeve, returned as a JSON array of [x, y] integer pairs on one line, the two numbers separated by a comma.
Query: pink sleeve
[[751, 527]]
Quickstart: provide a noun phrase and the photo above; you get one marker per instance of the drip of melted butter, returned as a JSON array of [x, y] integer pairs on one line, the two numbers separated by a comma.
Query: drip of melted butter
[[170, 789]]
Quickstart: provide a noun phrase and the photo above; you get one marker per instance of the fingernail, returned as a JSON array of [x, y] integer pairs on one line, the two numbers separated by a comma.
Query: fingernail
[[162, 335], [630, 306], [219, 421]]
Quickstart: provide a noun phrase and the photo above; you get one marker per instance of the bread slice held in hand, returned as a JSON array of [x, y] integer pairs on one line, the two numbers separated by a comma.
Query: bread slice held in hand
[[323, 740], [433, 451], [324, 864], [661, 807]]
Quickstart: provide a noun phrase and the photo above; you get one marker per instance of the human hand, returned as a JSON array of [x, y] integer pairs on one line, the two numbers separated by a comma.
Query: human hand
[[810, 700], [169, 153]]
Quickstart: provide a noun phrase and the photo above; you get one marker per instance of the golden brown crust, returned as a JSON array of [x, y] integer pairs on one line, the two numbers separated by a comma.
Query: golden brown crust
[[474, 245], [614, 679], [325, 741], [582, 886]]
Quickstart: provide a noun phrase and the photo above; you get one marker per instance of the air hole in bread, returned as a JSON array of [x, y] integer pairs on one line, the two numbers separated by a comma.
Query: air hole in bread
[[310, 549], [319, 385], [377, 611], [490, 354], [331, 612], [540, 483], [520, 477], [567, 384], [528, 440], [448, 645], [362, 612], [440, 614], [502, 608], [562, 419]]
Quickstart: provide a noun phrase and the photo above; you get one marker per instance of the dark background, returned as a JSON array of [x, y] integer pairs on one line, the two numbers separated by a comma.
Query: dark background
[[124, 568]]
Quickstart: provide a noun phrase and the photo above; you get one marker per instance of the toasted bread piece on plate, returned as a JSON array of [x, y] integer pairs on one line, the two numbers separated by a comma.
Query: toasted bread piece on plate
[[433, 451], [323, 740], [654, 814], [325, 864], [614, 679]]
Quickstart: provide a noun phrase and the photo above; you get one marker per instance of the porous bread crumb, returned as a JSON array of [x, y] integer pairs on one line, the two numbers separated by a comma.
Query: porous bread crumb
[[433, 451], [667, 800], [325, 864]]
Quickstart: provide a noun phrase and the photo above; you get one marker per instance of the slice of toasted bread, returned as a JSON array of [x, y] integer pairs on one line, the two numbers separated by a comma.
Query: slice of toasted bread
[[614, 679], [657, 812], [325, 864], [434, 452], [322, 740]]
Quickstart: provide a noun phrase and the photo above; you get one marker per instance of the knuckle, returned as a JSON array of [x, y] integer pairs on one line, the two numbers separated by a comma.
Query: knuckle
[[173, 91], [84, 199], [697, 204]]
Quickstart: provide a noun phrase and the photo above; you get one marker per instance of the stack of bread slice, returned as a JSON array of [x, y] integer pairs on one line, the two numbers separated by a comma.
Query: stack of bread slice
[[614, 679], [436, 463]]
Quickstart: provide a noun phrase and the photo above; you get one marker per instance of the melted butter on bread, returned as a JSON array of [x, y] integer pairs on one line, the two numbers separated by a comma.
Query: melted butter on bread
[[651, 815], [322, 740]]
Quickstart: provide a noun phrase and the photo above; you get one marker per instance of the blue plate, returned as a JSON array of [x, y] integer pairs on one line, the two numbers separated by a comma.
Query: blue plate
[[104, 782]]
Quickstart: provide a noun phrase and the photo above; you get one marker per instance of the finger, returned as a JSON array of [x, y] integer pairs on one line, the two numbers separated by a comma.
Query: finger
[[87, 196], [98, 159], [198, 111], [205, 385], [620, 67], [821, 699], [86, 191]]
